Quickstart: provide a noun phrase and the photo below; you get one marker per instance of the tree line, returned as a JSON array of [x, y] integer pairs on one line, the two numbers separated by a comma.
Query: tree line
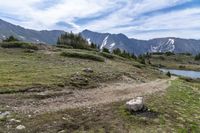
[[76, 41]]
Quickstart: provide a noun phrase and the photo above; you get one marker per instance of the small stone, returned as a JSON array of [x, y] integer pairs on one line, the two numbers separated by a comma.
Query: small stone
[[20, 127], [62, 131], [135, 104], [14, 120], [88, 70], [64, 118]]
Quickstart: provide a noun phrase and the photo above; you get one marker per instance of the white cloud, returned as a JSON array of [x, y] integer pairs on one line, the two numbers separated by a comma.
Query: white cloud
[[130, 13]]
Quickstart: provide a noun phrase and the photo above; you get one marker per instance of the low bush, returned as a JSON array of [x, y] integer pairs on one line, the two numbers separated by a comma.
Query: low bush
[[169, 53], [187, 54], [18, 45], [11, 39], [64, 46], [182, 67], [82, 55], [124, 54], [161, 57], [158, 53], [105, 50], [197, 57], [107, 55], [168, 74]]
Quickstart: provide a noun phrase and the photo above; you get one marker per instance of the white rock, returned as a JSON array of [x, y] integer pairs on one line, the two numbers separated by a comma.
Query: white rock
[[63, 131], [14, 120], [5, 114], [135, 104], [88, 70], [20, 127]]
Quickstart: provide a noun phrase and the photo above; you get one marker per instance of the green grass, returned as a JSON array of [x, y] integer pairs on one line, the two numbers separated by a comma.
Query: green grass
[[178, 61], [176, 110], [82, 55], [18, 45], [23, 74], [21, 70], [108, 55]]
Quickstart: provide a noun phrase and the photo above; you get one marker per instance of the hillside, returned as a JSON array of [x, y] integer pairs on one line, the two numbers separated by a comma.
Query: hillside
[[177, 61], [28, 35], [49, 89]]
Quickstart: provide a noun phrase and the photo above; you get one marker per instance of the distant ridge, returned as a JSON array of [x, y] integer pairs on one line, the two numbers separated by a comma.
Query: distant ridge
[[8, 29], [113, 41], [110, 41]]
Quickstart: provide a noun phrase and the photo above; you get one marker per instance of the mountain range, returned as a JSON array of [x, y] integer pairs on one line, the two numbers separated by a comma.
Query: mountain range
[[28, 35], [113, 41], [107, 40]]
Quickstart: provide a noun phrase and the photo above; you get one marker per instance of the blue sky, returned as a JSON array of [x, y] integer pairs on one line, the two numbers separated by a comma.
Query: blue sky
[[142, 19]]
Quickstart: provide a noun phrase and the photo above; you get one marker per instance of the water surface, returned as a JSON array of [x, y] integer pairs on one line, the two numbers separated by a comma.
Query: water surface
[[185, 73]]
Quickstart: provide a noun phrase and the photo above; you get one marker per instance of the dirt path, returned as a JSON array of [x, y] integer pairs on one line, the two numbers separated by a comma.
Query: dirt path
[[107, 93]]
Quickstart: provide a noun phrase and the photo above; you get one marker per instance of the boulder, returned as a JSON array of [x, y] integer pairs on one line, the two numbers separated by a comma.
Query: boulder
[[20, 127], [135, 105]]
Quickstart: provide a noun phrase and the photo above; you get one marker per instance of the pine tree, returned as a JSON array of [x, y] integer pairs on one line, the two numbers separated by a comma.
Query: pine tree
[[11, 39], [117, 51], [105, 50], [74, 40]]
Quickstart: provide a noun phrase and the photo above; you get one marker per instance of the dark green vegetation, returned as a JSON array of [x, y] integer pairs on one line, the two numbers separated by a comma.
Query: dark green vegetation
[[197, 57], [83, 55], [19, 45], [123, 54], [174, 61], [168, 74], [73, 40], [11, 39], [12, 42], [176, 110], [105, 50]]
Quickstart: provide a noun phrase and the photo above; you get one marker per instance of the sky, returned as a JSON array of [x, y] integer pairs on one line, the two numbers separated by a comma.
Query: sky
[[141, 19]]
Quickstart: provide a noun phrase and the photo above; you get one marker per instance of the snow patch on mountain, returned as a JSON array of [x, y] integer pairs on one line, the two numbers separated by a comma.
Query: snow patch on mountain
[[111, 46], [171, 41], [89, 40], [104, 42], [21, 37], [170, 45], [164, 46]]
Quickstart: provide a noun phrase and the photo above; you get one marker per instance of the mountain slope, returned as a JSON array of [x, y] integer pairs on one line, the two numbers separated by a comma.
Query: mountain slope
[[112, 41], [7, 29]]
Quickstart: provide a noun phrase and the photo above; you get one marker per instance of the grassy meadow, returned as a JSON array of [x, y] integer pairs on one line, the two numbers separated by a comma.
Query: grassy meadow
[[26, 72]]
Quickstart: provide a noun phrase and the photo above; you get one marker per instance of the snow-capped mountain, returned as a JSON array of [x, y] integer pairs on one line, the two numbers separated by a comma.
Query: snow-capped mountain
[[112, 41], [107, 40], [164, 46], [8, 29]]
